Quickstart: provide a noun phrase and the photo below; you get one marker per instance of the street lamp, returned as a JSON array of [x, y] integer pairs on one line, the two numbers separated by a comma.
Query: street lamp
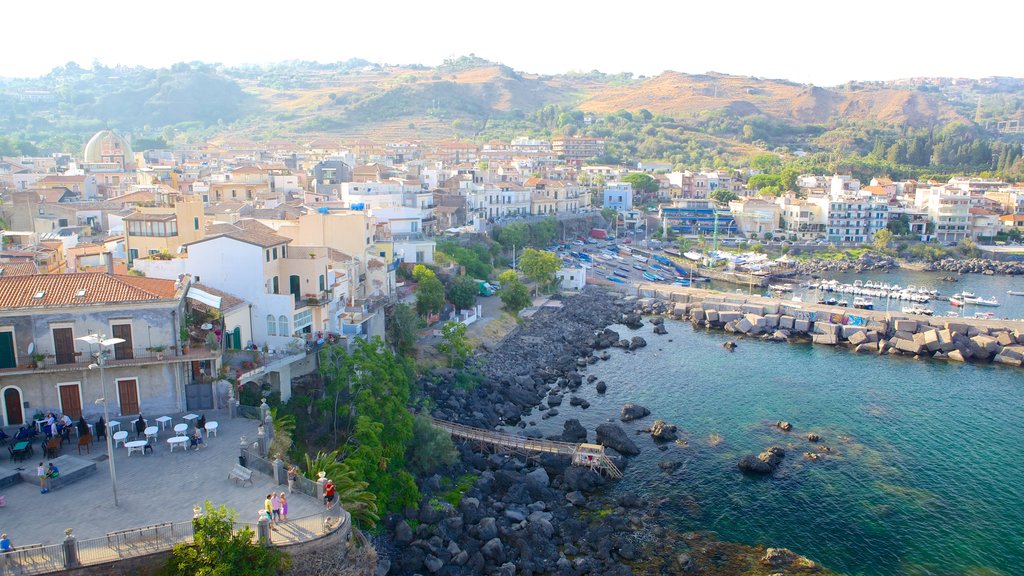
[[103, 342]]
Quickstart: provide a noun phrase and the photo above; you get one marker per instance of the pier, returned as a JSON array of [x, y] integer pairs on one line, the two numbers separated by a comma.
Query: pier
[[587, 455]]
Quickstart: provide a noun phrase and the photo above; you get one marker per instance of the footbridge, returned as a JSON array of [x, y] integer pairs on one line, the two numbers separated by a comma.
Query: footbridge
[[587, 455]]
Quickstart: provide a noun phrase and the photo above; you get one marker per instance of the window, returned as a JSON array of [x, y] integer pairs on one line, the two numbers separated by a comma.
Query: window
[[276, 285], [275, 253], [303, 319], [323, 283], [268, 255], [271, 325], [282, 324], [195, 222]]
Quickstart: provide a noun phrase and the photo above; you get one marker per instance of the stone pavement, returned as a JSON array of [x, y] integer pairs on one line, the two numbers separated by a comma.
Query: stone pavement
[[161, 486]]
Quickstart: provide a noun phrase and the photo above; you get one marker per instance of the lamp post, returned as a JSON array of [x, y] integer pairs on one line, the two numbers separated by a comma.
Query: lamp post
[[103, 342]]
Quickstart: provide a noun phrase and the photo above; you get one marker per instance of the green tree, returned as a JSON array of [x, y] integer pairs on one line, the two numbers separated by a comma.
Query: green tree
[[514, 294], [609, 215], [968, 248], [402, 328], [882, 239], [373, 384], [643, 183], [216, 550], [431, 447], [544, 232], [766, 163], [462, 292], [514, 234], [455, 344], [429, 291], [540, 266], [351, 492], [723, 196]]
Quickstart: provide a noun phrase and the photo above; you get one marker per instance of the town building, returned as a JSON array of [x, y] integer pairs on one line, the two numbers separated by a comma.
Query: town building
[[617, 196]]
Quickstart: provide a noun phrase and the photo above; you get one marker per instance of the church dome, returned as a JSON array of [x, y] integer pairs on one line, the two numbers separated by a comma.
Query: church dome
[[108, 146]]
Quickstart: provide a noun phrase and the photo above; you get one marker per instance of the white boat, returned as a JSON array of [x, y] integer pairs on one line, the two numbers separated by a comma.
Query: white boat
[[917, 309], [863, 303], [965, 294], [982, 301], [695, 256], [1015, 293]]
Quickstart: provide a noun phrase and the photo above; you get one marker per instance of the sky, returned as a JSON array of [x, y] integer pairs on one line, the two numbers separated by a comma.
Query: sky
[[822, 42]]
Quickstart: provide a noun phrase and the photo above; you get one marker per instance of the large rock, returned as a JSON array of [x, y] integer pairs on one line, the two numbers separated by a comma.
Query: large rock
[[613, 436], [632, 412], [637, 342], [494, 550], [573, 431], [753, 465], [664, 432]]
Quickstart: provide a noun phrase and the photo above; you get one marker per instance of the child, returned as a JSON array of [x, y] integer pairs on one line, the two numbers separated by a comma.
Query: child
[[41, 473]]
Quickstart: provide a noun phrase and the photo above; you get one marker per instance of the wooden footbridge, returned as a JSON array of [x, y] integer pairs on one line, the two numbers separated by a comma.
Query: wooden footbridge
[[587, 455]]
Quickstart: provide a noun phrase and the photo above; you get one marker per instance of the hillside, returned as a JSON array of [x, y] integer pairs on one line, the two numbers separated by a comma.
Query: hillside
[[680, 95]]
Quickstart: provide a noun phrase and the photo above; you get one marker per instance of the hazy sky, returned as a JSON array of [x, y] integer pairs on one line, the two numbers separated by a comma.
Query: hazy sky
[[824, 42]]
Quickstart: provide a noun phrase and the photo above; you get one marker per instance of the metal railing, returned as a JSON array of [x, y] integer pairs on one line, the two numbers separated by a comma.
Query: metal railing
[[306, 486], [34, 559], [254, 461]]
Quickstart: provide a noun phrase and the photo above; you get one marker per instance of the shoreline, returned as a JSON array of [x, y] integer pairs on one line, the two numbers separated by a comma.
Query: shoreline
[[542, 515]]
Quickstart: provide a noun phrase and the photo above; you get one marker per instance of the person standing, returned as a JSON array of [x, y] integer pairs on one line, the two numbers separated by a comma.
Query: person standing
[[268, 509], [284, 507], [329, 494], [275, 505], [41, 473], [293, 477]]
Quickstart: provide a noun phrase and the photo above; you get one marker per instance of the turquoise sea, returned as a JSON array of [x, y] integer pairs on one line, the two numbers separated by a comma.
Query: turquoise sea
[[925, 473]]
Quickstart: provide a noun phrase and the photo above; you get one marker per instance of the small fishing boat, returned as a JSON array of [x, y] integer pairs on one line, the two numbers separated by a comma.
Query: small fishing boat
[[955, 302], [979, 301], [863, 303], [617, 280], [1015, 293], [651, 277], [918, 309]]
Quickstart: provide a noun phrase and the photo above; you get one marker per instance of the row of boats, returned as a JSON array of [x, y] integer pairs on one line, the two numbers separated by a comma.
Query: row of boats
[[875, 290]]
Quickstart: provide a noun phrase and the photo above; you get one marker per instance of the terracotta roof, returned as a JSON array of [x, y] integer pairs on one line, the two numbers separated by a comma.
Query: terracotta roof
[[981, 212], [52, 195], [248, 231], [18, 268], [60, 179], [134, 197], [80, 290]]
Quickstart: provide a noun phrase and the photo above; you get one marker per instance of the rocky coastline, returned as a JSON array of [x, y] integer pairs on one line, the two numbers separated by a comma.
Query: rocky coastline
[[873, 261], [543, 516]]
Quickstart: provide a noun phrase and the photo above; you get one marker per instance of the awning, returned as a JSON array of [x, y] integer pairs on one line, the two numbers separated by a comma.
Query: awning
[[204, 297]]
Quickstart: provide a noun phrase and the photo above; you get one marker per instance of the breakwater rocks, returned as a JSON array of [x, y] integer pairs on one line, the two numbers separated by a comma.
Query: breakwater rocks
[[957, 340], [867, 261], [975, 266]]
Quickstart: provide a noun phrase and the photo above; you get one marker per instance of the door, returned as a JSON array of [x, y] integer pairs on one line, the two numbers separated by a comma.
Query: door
[[64, 345], [7, 356], [198, 397], [294, 287], [128, 396], [123, 351], [71, 400], [12, 407]]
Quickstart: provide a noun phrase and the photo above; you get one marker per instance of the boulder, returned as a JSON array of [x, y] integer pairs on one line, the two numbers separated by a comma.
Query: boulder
[[613, 436], [784, 425], [956, 356], [601, 387], [858, 338], [573, 431], [772, 456], [903, 325], [637, 342], [1006, 339], [664, 432], [826, 339], [494, 550], [660, 330], [632, 412], [812, 437], [576, 498], [753, 465], [743, 326]]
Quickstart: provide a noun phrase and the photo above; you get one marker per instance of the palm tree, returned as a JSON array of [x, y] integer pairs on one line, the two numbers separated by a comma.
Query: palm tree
[[352, 493]]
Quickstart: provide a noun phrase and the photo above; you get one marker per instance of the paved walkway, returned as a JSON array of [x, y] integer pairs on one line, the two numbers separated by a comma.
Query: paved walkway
[[162, 486]]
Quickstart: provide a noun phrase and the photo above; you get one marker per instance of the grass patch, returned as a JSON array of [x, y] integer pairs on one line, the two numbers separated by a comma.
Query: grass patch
[[462, 485]]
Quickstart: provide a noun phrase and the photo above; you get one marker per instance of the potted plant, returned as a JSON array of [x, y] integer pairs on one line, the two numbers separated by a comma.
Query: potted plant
[[184, 340], [312, 254], [158, 350], [211, 342], [39, 359]]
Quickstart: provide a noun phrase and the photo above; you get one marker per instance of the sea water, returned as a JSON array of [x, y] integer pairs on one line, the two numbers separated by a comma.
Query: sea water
[[925, 473]]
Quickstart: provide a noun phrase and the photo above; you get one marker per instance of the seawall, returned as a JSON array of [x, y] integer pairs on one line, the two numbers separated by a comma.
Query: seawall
[[865, 331]]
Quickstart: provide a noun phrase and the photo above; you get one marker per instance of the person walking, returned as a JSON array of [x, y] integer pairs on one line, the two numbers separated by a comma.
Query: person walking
[[284, 507]]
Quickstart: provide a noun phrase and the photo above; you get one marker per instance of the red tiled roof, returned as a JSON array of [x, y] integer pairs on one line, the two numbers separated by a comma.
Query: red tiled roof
[[64, 290]]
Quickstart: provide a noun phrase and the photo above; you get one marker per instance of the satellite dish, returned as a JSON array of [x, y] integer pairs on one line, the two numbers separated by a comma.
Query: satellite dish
[[31, 347]]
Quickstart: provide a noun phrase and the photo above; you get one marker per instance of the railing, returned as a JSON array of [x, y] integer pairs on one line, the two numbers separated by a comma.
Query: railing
[[34, 559], [139, 357], [306, 486], [136, 542], [256, 462]]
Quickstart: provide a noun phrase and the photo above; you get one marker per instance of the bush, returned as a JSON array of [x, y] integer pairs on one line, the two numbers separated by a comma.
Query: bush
[[430, 447], [218, 550]]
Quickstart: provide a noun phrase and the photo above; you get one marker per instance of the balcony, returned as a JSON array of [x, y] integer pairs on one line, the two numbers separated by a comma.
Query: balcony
[[140, 357]]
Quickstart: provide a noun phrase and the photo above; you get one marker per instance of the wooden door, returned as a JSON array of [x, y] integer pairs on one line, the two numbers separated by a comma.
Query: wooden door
[[128, 396], [70, 400], [12, 406], [8, 358], [123, 351], [64, 345]]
